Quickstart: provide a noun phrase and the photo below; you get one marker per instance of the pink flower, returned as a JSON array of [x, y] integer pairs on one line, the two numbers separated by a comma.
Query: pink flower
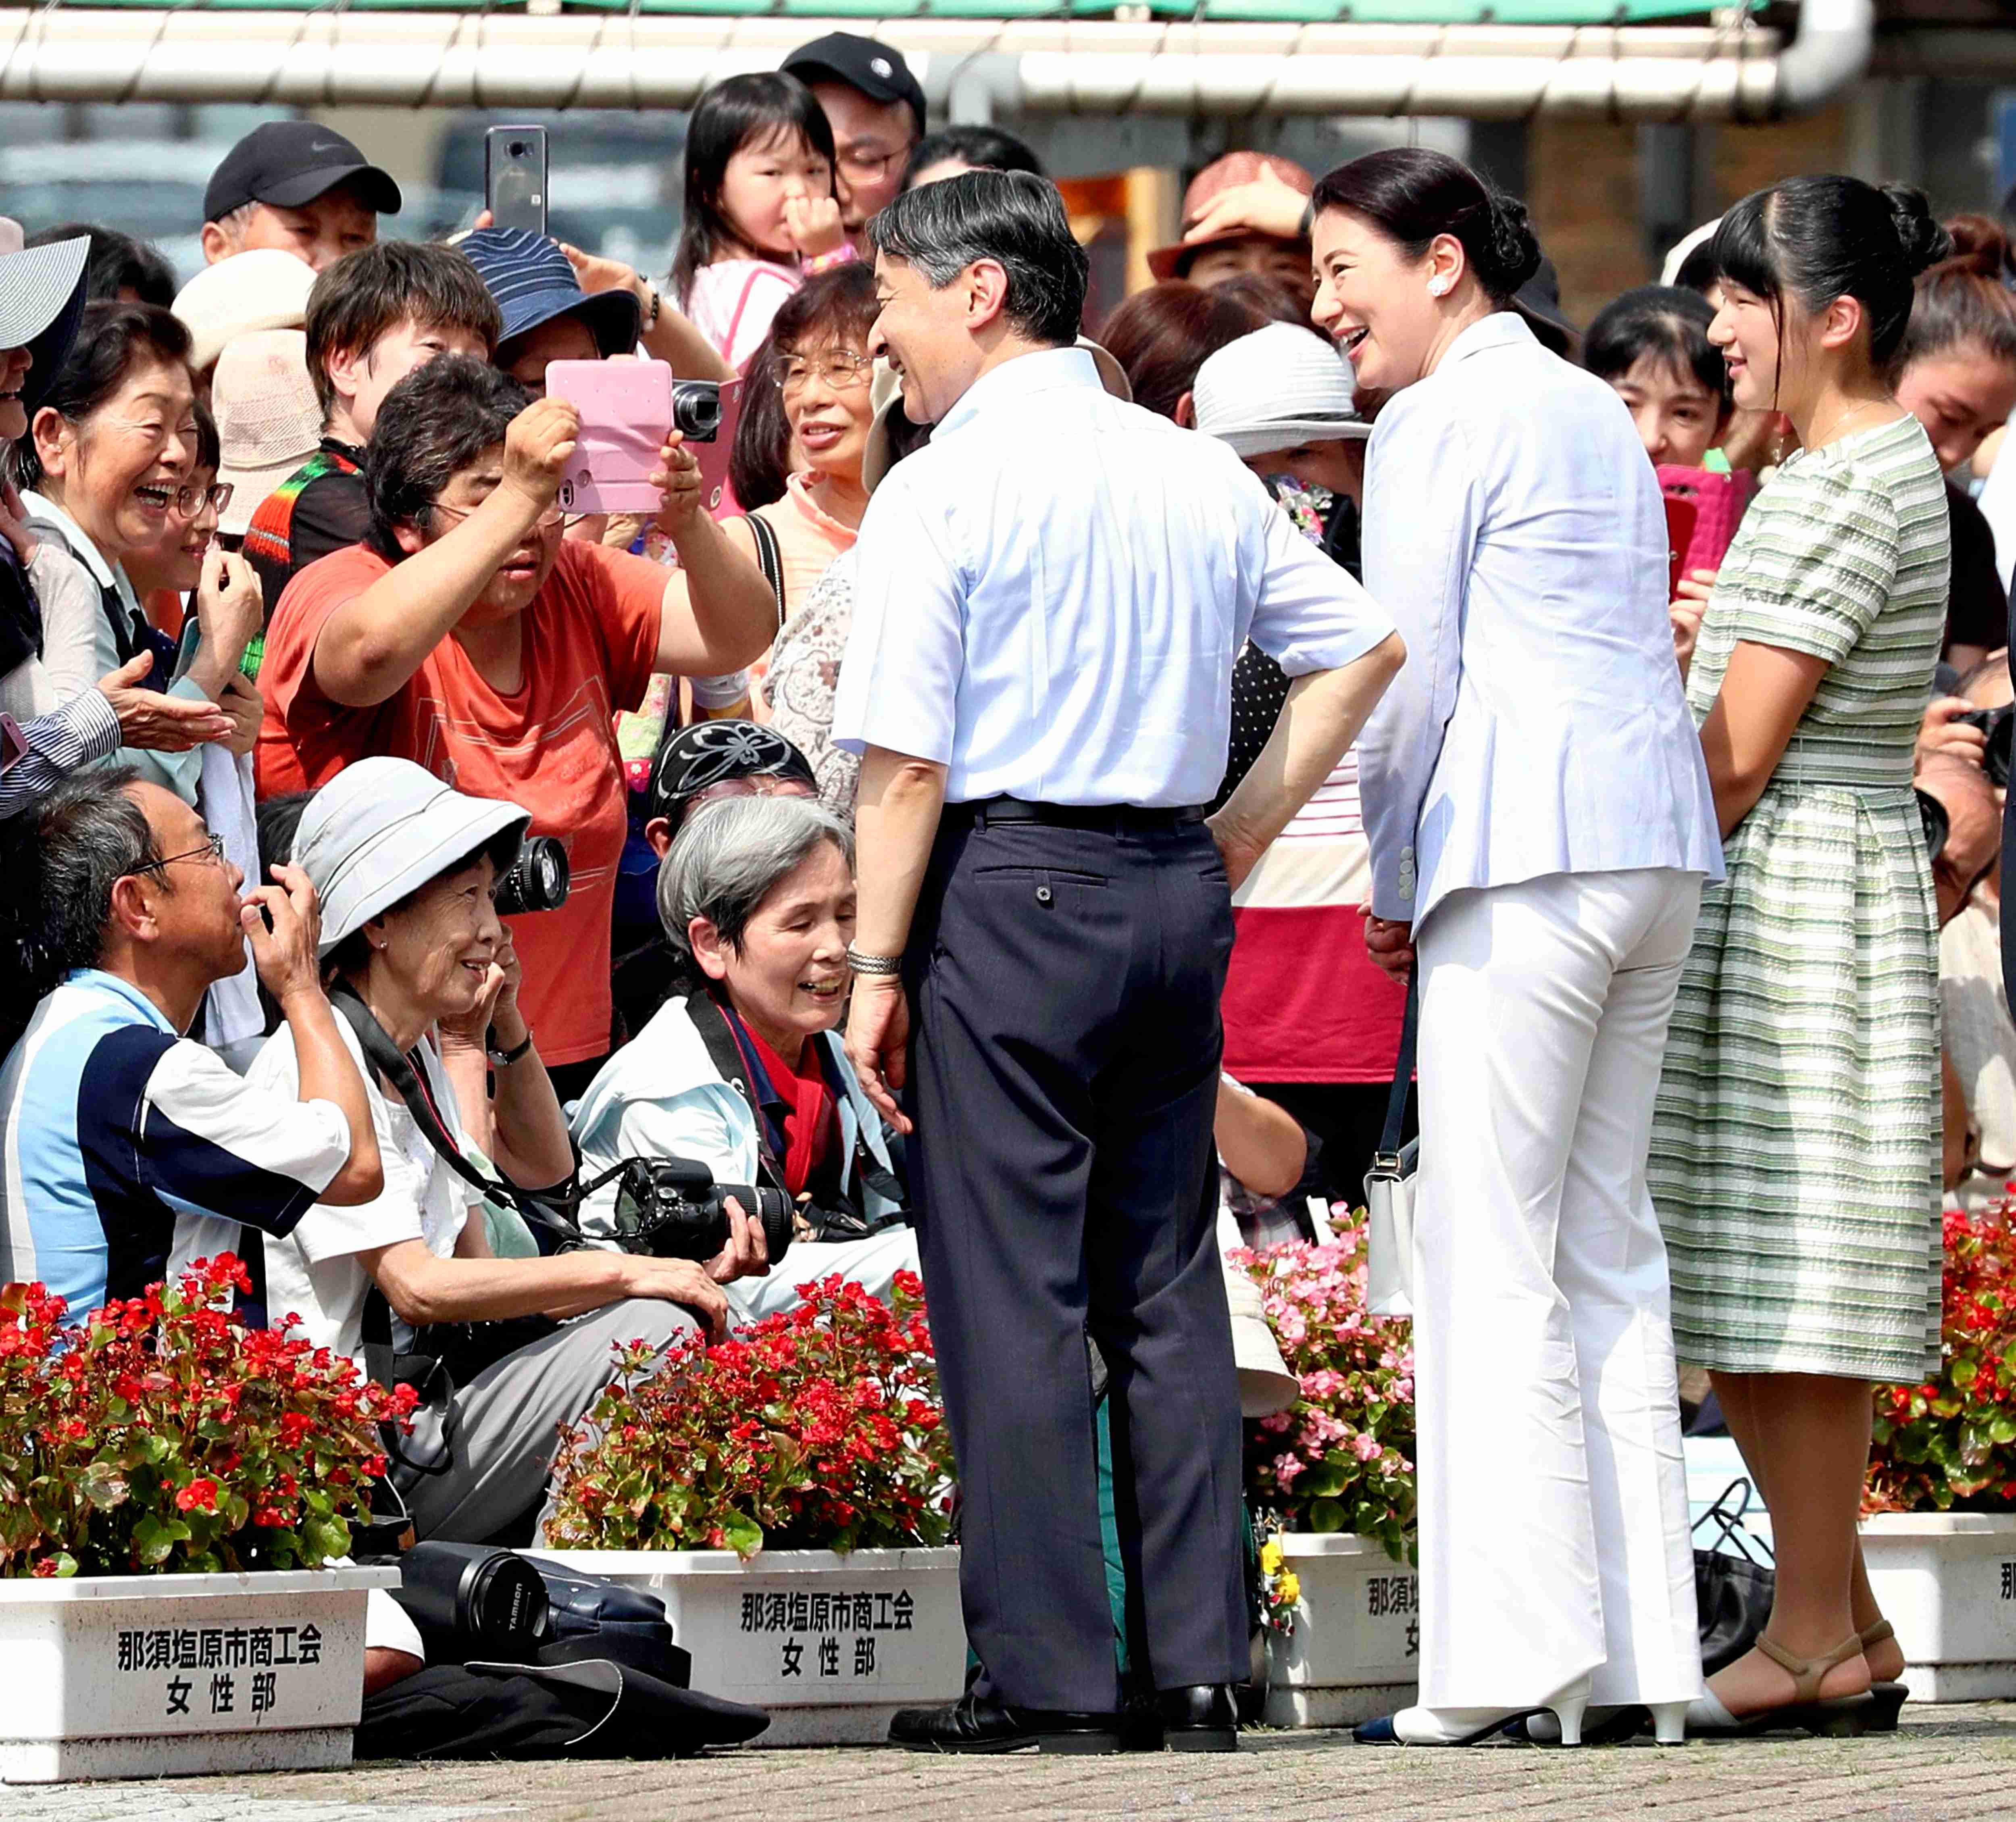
[[1365, 1447]]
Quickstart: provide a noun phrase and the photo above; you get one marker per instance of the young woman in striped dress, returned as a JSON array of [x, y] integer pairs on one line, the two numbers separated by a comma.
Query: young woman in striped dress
[[1794, 1161]]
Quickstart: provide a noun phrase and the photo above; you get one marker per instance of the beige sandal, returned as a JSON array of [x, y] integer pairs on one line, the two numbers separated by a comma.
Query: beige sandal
[[1808, 1709], [1889, 1697]]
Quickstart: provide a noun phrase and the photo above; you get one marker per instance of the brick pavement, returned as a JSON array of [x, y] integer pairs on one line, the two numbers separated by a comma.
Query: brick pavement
[[1952, 1764]]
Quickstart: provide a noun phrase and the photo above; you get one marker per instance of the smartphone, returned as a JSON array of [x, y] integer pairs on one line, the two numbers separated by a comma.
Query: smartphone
[[1681, 515], [626, 409], [713, 452], [514, 177]]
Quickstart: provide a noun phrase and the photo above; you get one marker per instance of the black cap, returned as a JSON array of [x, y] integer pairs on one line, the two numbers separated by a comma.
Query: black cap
[[876, 69], [692, 759], [1539, 301], [288, 162]]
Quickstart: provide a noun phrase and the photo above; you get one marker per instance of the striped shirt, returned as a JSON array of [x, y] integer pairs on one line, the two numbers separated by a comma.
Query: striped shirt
[[84, 730], [113, 1124]]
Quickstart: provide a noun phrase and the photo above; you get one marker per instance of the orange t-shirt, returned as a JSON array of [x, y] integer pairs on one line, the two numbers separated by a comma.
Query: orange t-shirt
[[591, 636]]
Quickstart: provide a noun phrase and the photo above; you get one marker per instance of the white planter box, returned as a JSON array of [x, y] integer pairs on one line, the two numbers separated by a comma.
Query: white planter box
[[165, 1676], [832, 1646], [1356, 1650], [1947, 1581]]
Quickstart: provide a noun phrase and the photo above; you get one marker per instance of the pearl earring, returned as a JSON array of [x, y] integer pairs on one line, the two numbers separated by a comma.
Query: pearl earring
[[1437, 287]]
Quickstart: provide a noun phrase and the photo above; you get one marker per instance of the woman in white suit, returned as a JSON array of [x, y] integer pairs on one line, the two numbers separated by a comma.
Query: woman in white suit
[[1541, 824]]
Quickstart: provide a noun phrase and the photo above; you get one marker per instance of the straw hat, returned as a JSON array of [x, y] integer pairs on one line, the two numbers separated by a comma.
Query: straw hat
[[264, 289], [268, 422], [1221, 174]]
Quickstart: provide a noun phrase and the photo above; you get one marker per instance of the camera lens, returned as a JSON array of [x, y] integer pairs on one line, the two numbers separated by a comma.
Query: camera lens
[[697, 410], [517, 148], [538, 879]]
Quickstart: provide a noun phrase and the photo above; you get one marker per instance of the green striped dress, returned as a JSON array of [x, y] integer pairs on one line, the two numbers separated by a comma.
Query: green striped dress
[[1794, 1161]]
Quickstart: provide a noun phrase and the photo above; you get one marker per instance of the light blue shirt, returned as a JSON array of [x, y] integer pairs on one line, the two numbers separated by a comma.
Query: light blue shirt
[[1050, 595], [1514, 529]]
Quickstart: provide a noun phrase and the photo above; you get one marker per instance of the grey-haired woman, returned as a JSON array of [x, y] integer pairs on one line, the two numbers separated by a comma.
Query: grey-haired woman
[[757, 894]]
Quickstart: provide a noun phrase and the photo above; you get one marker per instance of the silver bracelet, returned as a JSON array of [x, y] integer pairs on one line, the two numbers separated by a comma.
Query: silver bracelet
[[863, 964]]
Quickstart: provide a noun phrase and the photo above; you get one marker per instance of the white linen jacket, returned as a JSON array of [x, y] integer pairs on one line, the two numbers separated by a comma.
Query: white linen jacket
[[1515, 532]]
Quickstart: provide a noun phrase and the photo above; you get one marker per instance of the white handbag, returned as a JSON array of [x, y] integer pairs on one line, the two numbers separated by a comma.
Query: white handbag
[[1389, 1188]]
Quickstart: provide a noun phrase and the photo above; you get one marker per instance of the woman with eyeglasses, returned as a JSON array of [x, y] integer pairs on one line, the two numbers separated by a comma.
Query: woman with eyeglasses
[[797, 461], [467, 635], [106, 457]]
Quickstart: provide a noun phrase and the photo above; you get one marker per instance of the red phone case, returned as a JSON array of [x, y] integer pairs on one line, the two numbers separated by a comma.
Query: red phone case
[[1719, 501], [1681, 516]]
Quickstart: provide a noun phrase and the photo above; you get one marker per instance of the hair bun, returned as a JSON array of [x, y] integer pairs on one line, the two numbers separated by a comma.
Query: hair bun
[[1980, 248], [1921, 241], [1515, 254]]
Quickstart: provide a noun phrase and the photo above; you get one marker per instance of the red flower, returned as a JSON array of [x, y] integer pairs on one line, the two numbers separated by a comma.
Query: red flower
[[198, 1493]]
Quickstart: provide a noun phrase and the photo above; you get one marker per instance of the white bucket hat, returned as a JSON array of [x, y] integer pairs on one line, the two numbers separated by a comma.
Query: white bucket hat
[[1265, 1384], [264, 289], [1278, 388], [382, 828], [268, 422]]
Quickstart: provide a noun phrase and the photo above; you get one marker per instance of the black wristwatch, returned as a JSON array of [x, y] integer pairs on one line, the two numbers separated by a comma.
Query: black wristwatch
[[504, 1059]]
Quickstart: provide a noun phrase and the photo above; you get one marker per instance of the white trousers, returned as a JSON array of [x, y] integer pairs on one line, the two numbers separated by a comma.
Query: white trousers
[[1553, 1505]]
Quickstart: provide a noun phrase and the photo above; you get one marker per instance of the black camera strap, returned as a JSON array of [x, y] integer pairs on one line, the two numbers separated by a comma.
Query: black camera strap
[[381, 1360], [725, 1051], [400, 1070], [732, 1063]]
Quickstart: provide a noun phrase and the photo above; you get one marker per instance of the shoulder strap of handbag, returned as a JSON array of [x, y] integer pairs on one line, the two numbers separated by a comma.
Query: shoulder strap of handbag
[[741, 303], [1403, 1067], [770, 560], [724, 1051], [385, 1056]]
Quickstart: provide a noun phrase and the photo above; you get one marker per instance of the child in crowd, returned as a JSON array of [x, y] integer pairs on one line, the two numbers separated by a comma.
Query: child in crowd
[[372, 318], [759, 212]]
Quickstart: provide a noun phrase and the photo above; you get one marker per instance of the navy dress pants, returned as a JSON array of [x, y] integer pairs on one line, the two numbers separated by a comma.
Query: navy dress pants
[[1064, 984]]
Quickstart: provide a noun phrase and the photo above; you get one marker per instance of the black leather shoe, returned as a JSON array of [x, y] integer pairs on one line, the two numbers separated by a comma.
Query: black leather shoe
[[974, 1724], [1202, 1718]]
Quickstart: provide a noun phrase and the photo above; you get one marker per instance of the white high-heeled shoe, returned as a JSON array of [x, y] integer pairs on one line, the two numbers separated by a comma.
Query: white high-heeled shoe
[[1466, 1726], [1606, 1725]]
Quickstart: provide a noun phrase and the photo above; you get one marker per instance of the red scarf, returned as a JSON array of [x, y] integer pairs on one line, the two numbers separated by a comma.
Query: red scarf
[[811, 1116]]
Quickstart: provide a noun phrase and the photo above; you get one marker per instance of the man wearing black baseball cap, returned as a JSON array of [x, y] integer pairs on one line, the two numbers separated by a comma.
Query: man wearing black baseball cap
[[298, 186], [877, 110]]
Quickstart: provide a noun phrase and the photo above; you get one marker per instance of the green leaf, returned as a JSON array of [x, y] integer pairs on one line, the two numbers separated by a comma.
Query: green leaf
[[744, 1534], [1326, 1515], [1325, 1481], [323, 1540], [154, 1541], [105, 1486]]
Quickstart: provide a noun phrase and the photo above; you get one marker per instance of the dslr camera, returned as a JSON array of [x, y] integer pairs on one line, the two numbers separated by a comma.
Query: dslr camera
[[672, 1208]]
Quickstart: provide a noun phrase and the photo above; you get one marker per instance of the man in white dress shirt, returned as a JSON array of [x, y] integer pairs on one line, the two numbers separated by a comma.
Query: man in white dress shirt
[[1049, 597]]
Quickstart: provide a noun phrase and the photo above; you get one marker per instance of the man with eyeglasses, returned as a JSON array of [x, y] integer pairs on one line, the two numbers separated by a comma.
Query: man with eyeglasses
[[875, 107], [466, 635], [113, 1122]]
